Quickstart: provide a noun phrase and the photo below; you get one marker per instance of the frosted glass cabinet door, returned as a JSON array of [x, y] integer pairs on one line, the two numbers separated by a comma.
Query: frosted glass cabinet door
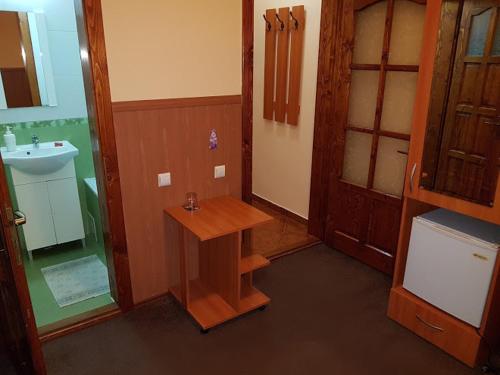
[[34, 203], [66, 210]]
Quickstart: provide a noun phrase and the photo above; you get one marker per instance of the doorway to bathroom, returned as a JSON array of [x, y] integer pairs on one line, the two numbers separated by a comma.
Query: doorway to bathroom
[[52, 152]]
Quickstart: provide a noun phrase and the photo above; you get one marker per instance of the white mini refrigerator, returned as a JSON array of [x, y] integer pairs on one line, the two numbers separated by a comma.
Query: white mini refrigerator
[[450, 262]]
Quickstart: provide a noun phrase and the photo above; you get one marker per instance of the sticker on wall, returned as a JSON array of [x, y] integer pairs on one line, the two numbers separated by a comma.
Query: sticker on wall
[[212, 142]]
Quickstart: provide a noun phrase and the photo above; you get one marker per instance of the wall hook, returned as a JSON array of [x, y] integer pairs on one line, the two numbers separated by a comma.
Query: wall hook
[[295, 21], [268, 24], [282, 24]]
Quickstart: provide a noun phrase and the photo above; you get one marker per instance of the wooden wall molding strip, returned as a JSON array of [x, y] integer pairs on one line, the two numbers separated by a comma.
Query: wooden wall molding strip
[[154, 104], [78, 322], [283, 211]]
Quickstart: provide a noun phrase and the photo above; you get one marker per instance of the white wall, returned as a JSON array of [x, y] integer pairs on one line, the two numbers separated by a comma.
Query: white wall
[[65, 56], [159, 49], [282, 154]]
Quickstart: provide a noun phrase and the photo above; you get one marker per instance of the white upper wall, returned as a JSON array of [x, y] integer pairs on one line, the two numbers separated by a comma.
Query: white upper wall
[[65, 56], [282, 154], [160, 49]]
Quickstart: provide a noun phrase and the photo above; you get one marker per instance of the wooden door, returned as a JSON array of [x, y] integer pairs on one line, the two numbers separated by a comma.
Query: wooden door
[[470, 148], [376, 76], [17, 322], [13, 335]]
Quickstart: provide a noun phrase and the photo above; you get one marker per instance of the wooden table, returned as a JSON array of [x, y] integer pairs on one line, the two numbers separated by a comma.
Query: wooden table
[[214, 273]]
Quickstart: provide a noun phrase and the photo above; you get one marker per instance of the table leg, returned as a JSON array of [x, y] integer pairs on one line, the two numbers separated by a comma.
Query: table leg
[[183, 263]]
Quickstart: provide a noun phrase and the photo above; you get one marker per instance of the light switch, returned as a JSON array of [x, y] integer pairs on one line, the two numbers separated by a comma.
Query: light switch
[[220, 171], [164, 179]]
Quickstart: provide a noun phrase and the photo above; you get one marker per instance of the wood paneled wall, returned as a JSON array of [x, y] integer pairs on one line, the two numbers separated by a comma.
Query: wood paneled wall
[[170, 135]]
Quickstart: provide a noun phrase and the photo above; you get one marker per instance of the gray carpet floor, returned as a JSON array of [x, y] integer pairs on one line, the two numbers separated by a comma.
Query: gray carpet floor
[[327, 316]]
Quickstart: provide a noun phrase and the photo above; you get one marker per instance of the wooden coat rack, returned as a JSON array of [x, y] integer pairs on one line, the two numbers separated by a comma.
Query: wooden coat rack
[[282, 69]]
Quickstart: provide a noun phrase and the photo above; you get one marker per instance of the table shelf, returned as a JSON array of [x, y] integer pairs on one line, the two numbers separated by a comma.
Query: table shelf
[[251, 299], [209, 309], [253, 262]]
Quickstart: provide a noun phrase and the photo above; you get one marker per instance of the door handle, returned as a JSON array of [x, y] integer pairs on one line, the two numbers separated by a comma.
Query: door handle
[[19, 218], [412, 176], [13, 218]]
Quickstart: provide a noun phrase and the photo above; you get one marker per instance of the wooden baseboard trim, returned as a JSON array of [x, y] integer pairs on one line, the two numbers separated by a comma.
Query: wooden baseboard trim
[[145, 105], [294, 250], [151, 300], [280, 209], [78, 322]]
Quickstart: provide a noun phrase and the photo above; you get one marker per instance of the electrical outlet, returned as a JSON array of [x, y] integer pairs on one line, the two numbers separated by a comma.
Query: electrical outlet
[[164, 179], [220, 171]]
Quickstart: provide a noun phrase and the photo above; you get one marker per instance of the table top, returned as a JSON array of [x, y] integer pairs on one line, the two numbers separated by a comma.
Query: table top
[[218, 217]]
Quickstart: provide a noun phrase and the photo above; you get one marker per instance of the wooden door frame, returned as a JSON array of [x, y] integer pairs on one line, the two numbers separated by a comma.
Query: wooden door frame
[[98, 96], [14, 251], [100, 114], [325, 145], [247, 99]]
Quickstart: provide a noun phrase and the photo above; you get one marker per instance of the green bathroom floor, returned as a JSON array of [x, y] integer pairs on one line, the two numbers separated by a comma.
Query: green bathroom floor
[[45, 307]]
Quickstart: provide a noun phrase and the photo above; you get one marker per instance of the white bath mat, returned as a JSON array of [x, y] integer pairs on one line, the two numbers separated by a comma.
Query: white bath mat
[[77, 280]]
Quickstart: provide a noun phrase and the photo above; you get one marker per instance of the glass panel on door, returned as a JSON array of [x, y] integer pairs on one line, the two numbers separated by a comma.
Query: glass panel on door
[[369, 25], [407, 31], [478, 33], [357, 158], [390, 167], [363, 98], [399, 97], [382, 94], [495, 51]]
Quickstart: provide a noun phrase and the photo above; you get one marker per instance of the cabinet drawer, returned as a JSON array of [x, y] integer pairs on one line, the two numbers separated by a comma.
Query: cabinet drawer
[[450, 334]]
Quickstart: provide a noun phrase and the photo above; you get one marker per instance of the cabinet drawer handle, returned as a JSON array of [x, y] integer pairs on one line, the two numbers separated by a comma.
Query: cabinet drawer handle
[[435, 327], [412, 175]]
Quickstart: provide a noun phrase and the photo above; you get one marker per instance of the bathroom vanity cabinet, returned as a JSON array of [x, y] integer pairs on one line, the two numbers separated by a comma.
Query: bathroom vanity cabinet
[[52, 207]]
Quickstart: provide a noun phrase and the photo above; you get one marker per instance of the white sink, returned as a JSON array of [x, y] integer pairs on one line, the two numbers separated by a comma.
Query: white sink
[[47, 158]]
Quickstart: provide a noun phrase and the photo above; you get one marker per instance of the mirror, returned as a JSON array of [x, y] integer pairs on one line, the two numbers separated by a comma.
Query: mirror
[[462, 145], [26, 78]]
